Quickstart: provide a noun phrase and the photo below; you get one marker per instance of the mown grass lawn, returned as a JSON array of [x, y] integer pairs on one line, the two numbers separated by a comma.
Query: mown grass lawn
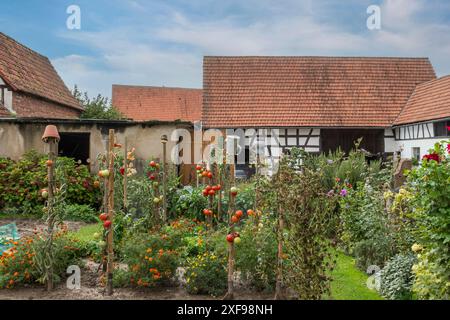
[[349, 283]]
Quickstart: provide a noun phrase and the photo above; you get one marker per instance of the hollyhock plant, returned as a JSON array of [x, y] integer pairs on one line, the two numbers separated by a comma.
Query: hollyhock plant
[[431, 156]]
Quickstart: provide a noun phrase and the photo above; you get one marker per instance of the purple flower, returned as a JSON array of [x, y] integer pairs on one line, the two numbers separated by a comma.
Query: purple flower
[[343, 192]]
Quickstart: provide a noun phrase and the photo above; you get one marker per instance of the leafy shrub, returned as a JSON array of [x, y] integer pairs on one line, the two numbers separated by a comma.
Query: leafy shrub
[[431, 280], [365, 224], [21, 182], [256, 255], [80, 212], [24, 262], [430, 188], [153, 258], [397, 278], [188, 202], [206, 274]]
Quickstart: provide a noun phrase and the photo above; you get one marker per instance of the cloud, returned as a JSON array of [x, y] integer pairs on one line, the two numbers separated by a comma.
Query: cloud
[[170, 51]]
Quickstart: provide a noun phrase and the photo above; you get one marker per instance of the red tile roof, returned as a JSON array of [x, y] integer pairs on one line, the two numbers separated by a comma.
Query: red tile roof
[[28, 71], [308, 91], [430, 101], [158, 103]]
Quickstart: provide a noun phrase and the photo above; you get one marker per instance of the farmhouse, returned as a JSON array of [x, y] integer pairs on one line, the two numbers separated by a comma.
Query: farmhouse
[[425, 119], [30, 86]]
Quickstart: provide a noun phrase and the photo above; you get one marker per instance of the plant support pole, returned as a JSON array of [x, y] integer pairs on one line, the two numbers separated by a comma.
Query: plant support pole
[[110, 237], [164, 143], [125, 175], [53, 147]]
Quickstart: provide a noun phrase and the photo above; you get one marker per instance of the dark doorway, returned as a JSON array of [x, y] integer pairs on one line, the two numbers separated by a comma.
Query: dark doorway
[[372, 139], [74, 145]]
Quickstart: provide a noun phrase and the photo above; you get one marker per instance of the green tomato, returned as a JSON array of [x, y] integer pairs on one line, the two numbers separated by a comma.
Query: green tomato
[[237, 240], [156, 200], [101, 244], [96, 235]]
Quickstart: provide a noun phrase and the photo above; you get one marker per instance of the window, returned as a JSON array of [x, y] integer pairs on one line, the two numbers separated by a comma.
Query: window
[[440, 129], [416, 153]]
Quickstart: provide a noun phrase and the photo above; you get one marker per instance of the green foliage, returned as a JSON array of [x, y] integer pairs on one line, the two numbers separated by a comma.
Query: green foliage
[[80, 212], [397, 278], [21, 182], [430, 188], [431, 278], [206, 274], [188, 202], [299, 196], [256, 255], [96, 108], [366, 232], [25, 263]]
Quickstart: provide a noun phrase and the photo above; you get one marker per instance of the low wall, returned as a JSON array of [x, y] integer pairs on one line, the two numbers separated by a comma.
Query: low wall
[[18, 136]]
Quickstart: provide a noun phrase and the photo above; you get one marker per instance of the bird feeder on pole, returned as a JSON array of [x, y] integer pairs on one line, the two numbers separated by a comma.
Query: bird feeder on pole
[[51, 138]]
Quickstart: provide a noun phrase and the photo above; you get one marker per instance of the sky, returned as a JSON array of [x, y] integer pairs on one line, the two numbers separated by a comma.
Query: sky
[[162, 42]]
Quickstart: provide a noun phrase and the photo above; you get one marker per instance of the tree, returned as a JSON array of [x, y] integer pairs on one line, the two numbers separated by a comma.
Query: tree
[[96, 108]]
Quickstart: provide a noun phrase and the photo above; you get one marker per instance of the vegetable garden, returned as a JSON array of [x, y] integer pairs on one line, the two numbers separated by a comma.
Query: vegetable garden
[[294, 235]]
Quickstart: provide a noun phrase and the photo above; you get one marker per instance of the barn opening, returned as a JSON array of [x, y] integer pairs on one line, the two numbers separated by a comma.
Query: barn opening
[[74, 145], [372, 140]]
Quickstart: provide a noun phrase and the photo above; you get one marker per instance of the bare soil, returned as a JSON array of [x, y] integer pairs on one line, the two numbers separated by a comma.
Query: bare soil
[[91, 288], [27, 227]]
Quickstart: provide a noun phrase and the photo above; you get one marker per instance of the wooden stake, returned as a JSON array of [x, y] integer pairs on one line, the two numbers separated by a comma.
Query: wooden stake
[[125, 176], [231, 257], [164, 183], [279, 282], [231, 251], [53, 150], [110, 237]]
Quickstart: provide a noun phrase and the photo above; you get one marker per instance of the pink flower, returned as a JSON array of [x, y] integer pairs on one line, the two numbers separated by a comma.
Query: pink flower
[[448, 148], [343, 192]]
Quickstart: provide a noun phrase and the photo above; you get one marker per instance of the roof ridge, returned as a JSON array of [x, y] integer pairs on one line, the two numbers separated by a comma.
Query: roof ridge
[[24, 46], [153, 87], [318, 56]]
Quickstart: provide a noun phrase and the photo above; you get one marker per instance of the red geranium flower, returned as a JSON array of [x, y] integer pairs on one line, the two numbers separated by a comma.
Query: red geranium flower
[[432, 156], [122, 170], [448, 148]]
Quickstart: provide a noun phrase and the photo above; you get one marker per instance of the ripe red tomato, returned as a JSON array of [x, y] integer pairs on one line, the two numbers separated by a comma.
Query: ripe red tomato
[[239, 213], [205, 212], [210, 175], [218, 187], [152, 164], [250, 212], [234, 219], [205, 192], [234, 193], [208, 188], [103, 217], [152, 177], [205, 174], [211, 192], [198, 167], [107, 224], [122, 170], [49, 163], [230, 238]]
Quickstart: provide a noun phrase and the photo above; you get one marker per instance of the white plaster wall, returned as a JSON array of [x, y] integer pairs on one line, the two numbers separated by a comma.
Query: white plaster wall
[[424, 144], [390, 145]]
